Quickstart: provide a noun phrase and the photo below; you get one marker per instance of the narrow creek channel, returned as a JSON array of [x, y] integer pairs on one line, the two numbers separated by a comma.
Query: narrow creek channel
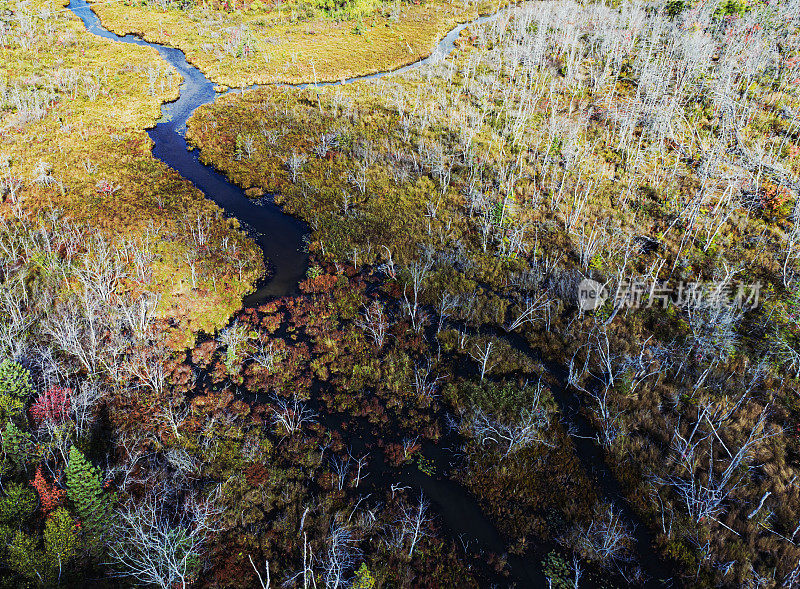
[[281, 238]]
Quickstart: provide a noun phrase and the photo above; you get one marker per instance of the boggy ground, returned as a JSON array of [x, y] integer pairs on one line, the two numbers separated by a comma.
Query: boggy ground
[[73, 114], [244, 43], [579, 141], [320, 384]]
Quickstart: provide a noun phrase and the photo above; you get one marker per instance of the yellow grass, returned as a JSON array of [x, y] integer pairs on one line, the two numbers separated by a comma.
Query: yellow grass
[[92, 133], [282, 50]]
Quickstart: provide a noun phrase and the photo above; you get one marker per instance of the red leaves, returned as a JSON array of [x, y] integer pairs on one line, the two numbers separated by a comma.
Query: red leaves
[[319, 284], [52, 406], [49, 494], [256, 475]]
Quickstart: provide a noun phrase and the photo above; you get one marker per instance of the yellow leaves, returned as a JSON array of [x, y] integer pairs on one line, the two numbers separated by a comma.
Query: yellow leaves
[[61, 537]]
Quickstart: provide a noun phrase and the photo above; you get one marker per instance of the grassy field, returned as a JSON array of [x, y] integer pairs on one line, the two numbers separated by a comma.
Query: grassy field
[[292, 42], [73, 114]]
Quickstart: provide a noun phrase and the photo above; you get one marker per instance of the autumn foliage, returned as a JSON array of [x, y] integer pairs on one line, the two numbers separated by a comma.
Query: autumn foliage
[[49, 494], [53, 406]]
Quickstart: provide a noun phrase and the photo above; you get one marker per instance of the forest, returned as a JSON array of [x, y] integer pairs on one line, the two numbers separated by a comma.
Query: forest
[[400, 293]]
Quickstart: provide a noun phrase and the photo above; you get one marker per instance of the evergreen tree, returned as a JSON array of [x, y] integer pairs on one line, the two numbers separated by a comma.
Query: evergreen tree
[[85, 492]]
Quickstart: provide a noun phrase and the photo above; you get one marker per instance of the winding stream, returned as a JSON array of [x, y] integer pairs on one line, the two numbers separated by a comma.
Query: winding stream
[[281, 238]]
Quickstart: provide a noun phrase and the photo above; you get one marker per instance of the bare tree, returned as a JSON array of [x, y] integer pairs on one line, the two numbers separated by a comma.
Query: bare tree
[[577, 571], [159, 539], [413, 522], [326, 142], [609, 420], [85, 398], [266, 355], [173, 415], [358, 178], [147, 365], [138, 314], [375, 323], [294, 164], [511, 434], [264, 584], [607, 537], [483, 355], [418, 271], [361, 462], [340, 556], [291, 414], [446, 305], [533, 310], [424, 381], [409, 446], [342, 468], [703, 491], [233, 337], [388, 267], [128, 470], [199, 230], [248, 145]]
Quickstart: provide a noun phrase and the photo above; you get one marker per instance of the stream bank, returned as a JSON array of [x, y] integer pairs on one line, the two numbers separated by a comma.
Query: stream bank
[[281, 238]]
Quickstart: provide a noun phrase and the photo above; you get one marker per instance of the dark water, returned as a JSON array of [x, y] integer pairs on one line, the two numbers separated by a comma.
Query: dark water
[[281, 237]]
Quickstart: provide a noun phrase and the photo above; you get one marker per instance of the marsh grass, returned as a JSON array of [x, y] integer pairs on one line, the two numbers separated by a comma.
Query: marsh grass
[[295, 43], [454, 162], [74, 112]]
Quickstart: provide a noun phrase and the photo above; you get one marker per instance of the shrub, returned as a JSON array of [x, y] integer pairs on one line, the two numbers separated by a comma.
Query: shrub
[[15, 387], [364, 578], [18, 503]]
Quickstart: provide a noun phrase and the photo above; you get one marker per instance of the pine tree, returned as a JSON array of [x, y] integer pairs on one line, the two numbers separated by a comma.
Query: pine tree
[[85, 492]]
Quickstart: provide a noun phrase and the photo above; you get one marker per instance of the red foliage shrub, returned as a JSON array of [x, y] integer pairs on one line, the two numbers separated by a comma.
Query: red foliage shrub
[[49, 495], [52, 406], [256, 475], [202, 354], [394, 454], [320, 284]]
